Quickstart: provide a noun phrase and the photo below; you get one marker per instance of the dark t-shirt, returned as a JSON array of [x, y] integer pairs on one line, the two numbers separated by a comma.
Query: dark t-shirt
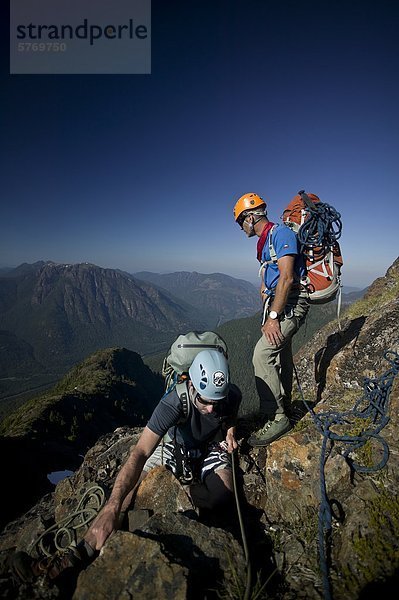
[[198, 429]]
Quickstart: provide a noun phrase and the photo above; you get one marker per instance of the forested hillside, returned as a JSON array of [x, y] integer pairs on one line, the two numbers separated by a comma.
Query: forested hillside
[[219, 296], [241, 336], [51, 431]]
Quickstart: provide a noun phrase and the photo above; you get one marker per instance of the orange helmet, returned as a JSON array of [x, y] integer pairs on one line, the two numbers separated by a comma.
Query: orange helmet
[[247, 202]]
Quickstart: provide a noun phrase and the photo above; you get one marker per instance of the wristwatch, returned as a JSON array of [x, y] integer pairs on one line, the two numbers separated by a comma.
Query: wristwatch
[[273, 315]]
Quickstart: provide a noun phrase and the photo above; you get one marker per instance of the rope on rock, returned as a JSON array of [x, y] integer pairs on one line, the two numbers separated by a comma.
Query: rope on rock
[[373, 408], [63, 534], [243, 534]]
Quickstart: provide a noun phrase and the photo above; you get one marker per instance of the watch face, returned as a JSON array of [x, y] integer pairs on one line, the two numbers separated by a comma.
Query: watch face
[[273, 314]]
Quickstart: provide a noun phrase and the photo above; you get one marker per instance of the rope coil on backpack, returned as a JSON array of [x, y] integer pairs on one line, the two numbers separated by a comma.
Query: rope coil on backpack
[[321, 230], [373, 408]]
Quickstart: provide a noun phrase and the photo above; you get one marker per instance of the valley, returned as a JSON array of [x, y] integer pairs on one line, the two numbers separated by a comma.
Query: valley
[[52, 316]]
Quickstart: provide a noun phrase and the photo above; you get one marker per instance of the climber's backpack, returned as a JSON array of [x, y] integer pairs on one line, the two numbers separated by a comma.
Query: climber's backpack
[[180, 356], [183, 351], [318, 226]]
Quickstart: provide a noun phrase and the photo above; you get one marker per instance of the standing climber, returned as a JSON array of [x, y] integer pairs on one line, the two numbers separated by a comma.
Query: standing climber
[[285, 307]]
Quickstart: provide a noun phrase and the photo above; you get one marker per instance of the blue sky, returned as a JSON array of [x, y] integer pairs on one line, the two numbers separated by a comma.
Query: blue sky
[[141, 172]]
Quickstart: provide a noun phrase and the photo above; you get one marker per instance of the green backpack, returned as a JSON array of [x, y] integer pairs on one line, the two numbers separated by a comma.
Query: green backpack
[[180, 356]]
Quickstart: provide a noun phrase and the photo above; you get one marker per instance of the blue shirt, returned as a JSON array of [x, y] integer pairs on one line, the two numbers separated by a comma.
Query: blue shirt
[[284, 242]]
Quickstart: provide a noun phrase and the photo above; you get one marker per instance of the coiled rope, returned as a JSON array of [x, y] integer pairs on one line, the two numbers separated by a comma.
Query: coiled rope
[[373, 408], [321, 230], [61, 535], [318, 239]]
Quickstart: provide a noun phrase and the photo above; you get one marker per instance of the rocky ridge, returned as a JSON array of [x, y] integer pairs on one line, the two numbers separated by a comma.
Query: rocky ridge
[[163, 548], [362, 545], [50, 432]]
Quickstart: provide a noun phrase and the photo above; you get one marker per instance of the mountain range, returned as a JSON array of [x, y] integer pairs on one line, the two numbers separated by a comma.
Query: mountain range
[[219, 296], [54, 315]]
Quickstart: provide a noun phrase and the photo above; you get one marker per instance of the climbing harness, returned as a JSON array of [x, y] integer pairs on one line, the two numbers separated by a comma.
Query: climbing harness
[[187, 467], [373, 408], [63, 534]]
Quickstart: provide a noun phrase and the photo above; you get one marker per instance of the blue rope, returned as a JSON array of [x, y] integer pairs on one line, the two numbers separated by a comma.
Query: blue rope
[[372, 406], [321, 230], [171, 384]]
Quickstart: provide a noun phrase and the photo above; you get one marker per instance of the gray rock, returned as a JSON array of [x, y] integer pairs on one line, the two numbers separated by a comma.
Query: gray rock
[[132, 567]]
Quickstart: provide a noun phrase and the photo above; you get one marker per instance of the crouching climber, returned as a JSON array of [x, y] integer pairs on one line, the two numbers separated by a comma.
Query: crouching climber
[[192, 433]]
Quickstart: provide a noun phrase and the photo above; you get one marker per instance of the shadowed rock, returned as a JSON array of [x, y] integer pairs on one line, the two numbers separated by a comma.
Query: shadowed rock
[[132, 567]]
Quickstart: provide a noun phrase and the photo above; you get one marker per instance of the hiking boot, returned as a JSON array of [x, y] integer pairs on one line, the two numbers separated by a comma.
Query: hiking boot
[[69, 559], [270, 432], [27, 569], [288, 408]]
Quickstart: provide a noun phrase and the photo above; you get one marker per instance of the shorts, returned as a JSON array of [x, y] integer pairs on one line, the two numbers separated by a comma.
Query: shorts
[[214, 460]]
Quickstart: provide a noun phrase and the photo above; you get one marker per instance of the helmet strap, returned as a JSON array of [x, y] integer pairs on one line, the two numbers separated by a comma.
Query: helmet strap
[[250, 227], [192, 392]]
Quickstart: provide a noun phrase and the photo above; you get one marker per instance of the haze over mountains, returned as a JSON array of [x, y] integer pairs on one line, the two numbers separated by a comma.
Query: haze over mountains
[[222, 297]]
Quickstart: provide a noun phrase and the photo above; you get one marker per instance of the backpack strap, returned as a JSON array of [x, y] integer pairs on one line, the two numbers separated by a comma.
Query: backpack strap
[[273, 255], [307, 200], [272, 252], [274, 259], [263, 265], [339, 296], [184, 471], [182, 392]]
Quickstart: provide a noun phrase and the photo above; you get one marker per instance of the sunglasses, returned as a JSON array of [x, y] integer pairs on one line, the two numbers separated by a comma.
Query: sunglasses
[[205, 402], [241, 220]]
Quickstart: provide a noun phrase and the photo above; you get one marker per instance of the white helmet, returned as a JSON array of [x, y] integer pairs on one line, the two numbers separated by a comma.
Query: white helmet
[[209, 374]]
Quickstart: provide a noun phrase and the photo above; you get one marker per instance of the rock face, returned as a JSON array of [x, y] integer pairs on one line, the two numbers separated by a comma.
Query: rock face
[[167, 553], [135, 567], [361, 547], [163, 549]]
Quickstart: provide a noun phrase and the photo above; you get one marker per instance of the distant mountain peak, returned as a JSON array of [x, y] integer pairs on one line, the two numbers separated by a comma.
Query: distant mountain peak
[[222, 296]]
